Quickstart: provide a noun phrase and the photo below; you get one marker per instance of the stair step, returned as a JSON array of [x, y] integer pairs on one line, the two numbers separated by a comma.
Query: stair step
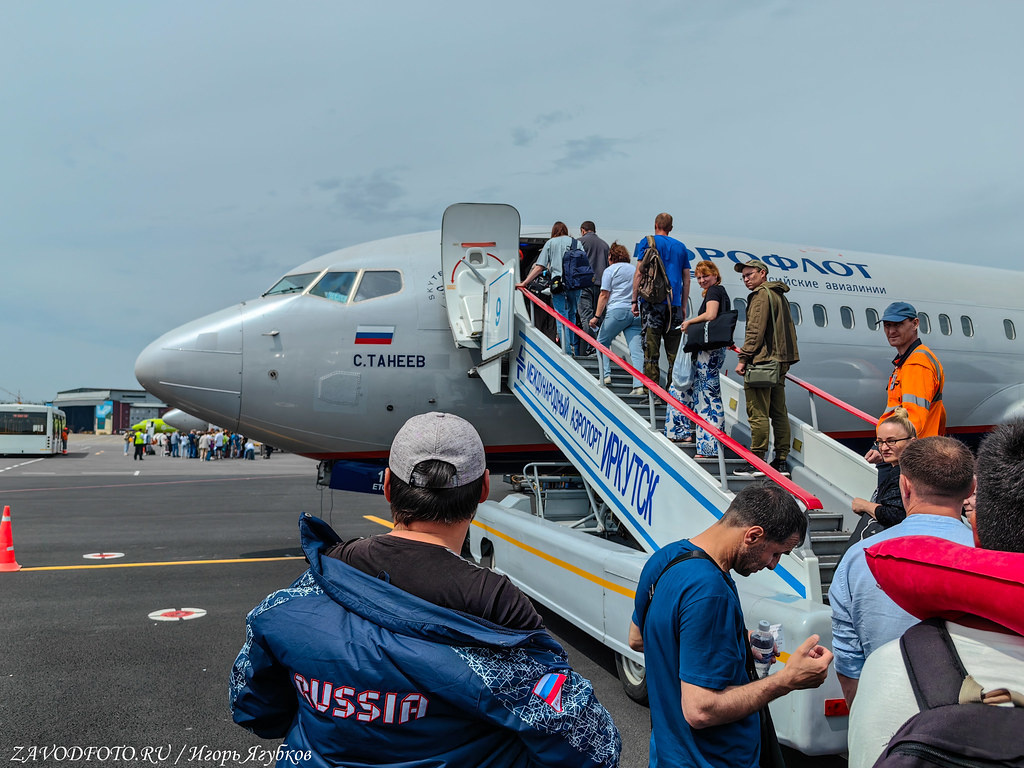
[[825, 521], [826, 543]]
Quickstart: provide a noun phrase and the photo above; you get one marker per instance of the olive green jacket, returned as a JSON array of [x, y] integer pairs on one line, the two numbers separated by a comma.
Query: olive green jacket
[[770, 332]]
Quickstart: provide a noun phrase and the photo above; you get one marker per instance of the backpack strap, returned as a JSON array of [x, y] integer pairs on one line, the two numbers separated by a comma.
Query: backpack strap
[[933, 666], [693, 553]]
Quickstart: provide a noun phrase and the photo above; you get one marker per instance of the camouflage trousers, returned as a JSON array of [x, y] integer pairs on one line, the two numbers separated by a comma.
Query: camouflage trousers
[[659, 323]]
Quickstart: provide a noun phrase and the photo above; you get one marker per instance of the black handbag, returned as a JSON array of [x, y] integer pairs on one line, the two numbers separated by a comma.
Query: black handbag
[[711, 334]]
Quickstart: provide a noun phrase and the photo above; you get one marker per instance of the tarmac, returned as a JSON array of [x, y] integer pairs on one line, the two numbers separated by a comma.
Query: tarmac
[[118, 633]]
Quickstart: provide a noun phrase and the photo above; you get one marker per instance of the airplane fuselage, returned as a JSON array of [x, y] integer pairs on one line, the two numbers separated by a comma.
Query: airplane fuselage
[[336, 356]]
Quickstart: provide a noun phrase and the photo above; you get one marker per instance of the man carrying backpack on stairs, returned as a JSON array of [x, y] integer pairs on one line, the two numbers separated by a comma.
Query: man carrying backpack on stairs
[[661, 259]]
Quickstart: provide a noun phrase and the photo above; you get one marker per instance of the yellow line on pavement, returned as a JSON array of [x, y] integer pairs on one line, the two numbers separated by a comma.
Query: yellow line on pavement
[[379, 521], [169, 562]]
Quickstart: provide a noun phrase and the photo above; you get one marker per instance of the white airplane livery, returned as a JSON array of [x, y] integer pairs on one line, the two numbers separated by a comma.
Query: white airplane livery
[[337, 354]]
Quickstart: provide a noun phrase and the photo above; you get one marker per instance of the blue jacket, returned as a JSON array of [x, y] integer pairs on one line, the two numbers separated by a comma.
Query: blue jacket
[[359, 673]]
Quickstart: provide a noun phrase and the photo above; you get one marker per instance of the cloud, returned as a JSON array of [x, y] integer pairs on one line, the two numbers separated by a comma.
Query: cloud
[[523, 136], [366, 198], [579, 153]]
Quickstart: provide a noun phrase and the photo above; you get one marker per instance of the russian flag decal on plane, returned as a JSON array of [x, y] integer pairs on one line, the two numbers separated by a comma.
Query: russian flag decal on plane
[[549, 688], [375, 334]]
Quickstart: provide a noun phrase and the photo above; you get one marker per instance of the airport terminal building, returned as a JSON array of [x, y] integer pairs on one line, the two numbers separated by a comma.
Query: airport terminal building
[[107, 411]]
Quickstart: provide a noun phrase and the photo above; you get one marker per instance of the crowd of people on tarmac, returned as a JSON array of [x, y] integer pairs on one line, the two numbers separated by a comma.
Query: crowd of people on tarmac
[[205, 445], [393, 649]]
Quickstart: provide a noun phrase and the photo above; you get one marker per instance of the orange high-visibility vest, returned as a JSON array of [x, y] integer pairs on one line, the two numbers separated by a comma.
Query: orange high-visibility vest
[[916, 384]]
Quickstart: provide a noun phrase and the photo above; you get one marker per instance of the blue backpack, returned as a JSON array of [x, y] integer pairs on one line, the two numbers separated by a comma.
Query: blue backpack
[[576, 270]]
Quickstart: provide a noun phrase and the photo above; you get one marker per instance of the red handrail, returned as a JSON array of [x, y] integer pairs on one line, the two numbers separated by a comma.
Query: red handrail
[[819, 392], [809, 501]]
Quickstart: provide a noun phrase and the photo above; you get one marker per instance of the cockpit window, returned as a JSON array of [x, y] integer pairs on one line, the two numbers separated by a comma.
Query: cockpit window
[[292, 284], [336, 286], [377, 283]]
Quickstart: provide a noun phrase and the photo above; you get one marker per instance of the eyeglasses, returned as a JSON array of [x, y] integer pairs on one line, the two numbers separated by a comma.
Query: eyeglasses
[[890, 441]]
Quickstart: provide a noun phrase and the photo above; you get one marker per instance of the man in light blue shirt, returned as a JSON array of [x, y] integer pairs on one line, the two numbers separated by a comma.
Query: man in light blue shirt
[[937, 474]]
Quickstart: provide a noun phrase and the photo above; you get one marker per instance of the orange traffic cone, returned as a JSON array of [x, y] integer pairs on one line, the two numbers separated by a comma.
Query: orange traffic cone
[[7, 561]]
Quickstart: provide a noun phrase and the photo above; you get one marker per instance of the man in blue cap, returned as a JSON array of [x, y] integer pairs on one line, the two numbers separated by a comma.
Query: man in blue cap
[[917, 378]]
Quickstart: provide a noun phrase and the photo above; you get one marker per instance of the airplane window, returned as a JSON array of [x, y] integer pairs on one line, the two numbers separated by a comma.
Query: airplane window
[[926, 322], [846, 315], [873, 320], [375, 284], [292, 284], [967, 325], [740, 305], [796, 313], [1009, 330], [820, 315], [336, 286], [945, 325]]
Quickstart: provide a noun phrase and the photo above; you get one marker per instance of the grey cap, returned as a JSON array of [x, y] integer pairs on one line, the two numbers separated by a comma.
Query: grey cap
[[752, 263], [442, 436]]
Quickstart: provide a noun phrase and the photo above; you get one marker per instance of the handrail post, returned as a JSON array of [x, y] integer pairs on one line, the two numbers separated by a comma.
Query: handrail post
[[650, 406], [600, 367], [814, 410], [722, 476]]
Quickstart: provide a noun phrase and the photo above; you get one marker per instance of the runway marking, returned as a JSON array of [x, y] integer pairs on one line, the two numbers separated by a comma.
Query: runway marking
[[140, 485], [38, 473], [379, 521], [177, 614], [136, 473], [23, 464], [170, 562]]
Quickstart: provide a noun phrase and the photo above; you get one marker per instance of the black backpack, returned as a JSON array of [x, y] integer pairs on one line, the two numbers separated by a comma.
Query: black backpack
[[654, 287], [946, 732], [576, 270]]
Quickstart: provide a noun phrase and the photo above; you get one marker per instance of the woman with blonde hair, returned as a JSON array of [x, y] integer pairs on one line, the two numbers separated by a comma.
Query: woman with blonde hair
[[704, 395], [885, 508]]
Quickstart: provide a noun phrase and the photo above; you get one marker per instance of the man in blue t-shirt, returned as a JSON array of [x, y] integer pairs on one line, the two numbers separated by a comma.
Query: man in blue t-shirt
[[704, 708], [660, 322]]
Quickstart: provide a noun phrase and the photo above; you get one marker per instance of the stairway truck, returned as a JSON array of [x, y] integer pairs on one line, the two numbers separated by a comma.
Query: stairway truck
[[648, 493]]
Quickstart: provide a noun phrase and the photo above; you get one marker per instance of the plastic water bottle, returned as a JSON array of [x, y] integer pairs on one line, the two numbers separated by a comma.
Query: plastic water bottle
[[763, 642]]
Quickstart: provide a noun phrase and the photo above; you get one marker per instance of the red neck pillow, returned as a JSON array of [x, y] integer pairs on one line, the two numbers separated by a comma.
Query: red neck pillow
[[931, 577]]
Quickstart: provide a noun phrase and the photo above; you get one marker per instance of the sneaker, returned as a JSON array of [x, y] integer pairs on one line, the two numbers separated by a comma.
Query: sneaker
[[781, 466], [638, 392], [748, 470], [607, 381]]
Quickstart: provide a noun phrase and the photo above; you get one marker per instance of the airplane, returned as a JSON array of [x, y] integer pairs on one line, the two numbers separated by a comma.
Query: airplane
[[332, 359], [184, 422], [159, 425]]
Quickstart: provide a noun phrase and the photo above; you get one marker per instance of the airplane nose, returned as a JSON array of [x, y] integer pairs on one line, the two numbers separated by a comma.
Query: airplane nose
[[198, 367]]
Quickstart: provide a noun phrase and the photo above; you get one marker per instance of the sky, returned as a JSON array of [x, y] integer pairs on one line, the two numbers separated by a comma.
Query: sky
[[163, 160]]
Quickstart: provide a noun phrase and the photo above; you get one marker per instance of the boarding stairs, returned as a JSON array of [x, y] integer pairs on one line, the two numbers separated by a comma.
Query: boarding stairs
[[654, 489]]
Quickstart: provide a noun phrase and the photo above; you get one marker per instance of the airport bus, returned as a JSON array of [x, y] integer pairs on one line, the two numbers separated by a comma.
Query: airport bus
[[31, 429]]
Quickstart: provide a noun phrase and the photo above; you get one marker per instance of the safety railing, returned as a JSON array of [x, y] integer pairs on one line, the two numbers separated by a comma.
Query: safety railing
[[813, 392], [807, 499]]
